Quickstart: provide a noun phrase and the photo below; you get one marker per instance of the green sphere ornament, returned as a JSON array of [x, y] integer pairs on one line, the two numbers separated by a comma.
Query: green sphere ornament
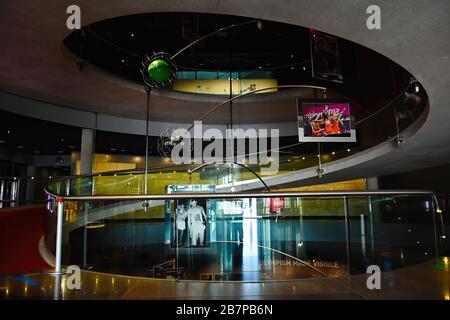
[[159, 71]]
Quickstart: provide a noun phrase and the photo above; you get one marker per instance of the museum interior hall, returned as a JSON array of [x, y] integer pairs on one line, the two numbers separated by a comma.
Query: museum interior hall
[[231, 150]]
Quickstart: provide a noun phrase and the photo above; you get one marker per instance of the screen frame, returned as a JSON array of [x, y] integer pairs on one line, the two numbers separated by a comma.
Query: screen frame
[[329, 76], [300, 123]]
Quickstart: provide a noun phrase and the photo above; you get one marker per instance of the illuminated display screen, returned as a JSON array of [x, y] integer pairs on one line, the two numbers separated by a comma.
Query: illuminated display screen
[[322, 122]]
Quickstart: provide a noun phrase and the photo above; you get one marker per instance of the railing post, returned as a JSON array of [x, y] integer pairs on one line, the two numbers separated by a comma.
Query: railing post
[[85, 234], [59, 224], [2, 193], [433, 214], [347, 231], [57, 287], [372, 240], [17, 192], [67, 187]]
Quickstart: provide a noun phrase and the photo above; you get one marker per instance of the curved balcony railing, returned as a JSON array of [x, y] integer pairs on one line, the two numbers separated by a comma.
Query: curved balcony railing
[[386, 125], [105, 222], [245, 236]]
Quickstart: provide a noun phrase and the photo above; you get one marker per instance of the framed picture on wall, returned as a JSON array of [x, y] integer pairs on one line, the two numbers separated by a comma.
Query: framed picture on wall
[[325, 57]]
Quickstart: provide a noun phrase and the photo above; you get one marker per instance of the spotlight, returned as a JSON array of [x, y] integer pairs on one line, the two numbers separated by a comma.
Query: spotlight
[[416, 88]]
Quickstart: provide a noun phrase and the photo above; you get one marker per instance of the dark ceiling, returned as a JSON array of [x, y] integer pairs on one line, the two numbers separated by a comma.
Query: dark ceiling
[[120, 44]]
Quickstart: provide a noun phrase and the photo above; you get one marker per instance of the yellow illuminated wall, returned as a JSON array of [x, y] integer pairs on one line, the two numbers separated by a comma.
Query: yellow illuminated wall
[[330, 206], [357, 184], [102, 163], [223, 86]]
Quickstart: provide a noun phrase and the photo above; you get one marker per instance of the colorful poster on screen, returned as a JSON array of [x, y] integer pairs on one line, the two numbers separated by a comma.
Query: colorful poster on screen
[[326, 119], [322, 122]]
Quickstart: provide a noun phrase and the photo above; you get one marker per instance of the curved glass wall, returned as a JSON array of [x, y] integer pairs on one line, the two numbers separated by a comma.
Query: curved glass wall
[[249, 238], [386, 124], [182, 235]]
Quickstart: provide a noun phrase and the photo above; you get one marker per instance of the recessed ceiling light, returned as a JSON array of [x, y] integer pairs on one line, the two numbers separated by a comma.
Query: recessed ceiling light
[[72, 147], [19, 147], [113, 149], [60, 151], [36, 151], [2, 141], [132, 34]]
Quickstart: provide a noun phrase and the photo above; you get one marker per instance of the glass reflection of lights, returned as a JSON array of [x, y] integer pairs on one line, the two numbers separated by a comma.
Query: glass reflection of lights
[[250, 263]]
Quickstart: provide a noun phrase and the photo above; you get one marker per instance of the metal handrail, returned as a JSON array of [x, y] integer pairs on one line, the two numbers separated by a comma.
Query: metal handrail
[[240, 195], [344, 194], [225, 102], [107, 173]]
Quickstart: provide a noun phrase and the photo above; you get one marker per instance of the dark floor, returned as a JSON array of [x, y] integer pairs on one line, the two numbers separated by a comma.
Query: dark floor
[[429, 280]]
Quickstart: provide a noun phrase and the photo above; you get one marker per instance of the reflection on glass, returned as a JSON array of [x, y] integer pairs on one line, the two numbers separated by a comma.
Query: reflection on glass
[[247, 239]]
